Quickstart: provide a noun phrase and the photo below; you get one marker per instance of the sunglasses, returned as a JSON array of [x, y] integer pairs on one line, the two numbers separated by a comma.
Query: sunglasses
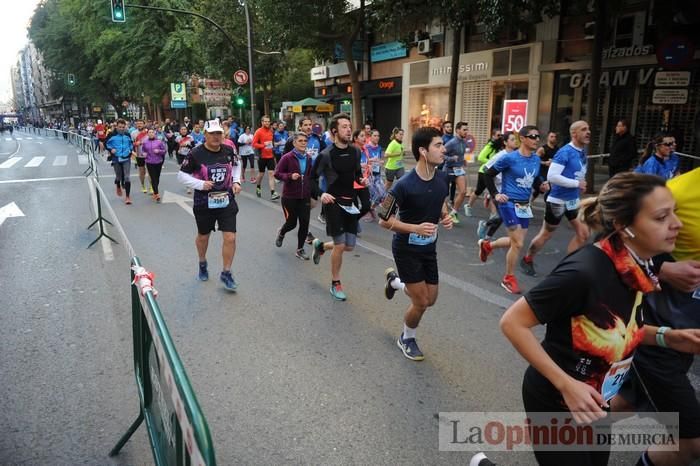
[[534, 137], [668, 144]]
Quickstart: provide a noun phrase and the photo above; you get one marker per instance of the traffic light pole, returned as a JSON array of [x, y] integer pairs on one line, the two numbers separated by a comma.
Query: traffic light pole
[[253, 121]]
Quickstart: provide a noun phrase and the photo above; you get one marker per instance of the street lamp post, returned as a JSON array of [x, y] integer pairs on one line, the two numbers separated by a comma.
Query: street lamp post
[[251, 74]]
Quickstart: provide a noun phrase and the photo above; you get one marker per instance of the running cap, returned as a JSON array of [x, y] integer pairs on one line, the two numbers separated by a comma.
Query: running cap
[[213, 126]]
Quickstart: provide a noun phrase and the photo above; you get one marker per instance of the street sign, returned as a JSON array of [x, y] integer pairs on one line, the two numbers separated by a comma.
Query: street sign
[[514, 115], [346, 108], [240, 77], [178, 95]]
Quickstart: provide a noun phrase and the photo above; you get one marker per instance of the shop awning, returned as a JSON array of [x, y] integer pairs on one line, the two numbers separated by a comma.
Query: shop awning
[[310, 105]]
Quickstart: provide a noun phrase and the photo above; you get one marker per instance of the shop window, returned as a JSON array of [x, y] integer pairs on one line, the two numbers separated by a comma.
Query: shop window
[[520, 61], [624, 30], [501, 63], [428, 107]]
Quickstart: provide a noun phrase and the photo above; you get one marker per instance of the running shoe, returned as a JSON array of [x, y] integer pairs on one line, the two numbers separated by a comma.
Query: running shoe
[[485, 249], [310, 238], [252, 180], [318, 250], [481, 229], [409, 348], [127, 201], [455, 218], [143, 189], [150, 189], [467, 211], [301, 254], [321, 218], [203, 272], [274, 197], [279, 239], [228, 281], [258, 191], [510, 284], [337, 292], [119, 191], [390, 274], [528, 267], [481, 459]]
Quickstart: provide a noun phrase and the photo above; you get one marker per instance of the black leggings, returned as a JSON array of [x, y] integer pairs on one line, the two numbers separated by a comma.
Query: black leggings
[[365, 203], [154, 172], [296, 209], [245, 159]]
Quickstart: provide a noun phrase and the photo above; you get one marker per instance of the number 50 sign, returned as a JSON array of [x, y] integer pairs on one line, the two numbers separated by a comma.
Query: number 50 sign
[[514, 115]]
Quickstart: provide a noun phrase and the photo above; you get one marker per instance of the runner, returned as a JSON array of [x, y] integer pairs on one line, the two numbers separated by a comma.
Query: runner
[[567, 178], [488, 228], [138, 136], [494, 146], [590, 305], [214, 172], [519, 170], [365, 205], [121, 148], [100, 132], [197, 135], [294, 170], [660, 380], [546, 153], [247, 153], [419, 198], [663, 162], [154, 151], [280, 140], [454, 166], [393, 168], [373, 152], [339, 163], [262, 141]]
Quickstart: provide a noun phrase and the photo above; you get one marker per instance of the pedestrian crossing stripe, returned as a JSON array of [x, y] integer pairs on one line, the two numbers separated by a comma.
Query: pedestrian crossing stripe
[[34, 162], [60, 161], [10, 162], [82, 160]]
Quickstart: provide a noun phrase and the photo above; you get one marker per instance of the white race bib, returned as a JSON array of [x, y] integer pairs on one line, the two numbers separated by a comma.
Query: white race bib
[[420, 240], [351, 209], [459, 172], [523, 210], [573, 204], [218, 200], [615, 378]]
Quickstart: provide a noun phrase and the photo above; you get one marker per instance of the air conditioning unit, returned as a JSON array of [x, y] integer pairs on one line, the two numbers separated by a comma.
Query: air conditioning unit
[[424, 47]]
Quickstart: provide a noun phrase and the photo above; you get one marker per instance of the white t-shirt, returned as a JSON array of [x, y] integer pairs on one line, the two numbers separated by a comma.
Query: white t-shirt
[[245, 145]]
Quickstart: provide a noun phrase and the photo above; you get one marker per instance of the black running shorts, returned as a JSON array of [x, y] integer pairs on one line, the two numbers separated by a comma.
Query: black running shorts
[[207, 219], [416, 267], [266, 164]]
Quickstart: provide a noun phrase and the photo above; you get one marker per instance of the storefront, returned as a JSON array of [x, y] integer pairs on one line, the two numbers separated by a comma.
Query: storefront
[[382, 103], [652, 94], [484, 80]]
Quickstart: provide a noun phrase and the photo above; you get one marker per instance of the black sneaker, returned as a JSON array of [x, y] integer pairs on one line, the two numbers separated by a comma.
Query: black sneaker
[[274, 197], [203, 272], [310, 238], [409, 348], [389, 274], [528, 267], [301, 254], [279, 239]]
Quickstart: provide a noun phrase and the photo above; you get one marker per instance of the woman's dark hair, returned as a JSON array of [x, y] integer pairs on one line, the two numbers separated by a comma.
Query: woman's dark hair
[[650, 149], [356, 134], [618, 202], [422, 138]]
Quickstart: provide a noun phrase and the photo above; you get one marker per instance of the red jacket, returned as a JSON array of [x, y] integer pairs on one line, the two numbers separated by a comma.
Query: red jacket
[[262, 140]]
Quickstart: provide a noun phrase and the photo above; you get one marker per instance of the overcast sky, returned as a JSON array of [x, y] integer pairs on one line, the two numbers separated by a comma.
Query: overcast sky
[[14, 22]]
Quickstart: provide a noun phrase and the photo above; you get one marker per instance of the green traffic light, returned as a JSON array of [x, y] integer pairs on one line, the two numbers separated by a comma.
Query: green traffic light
[[239, 101], [118, 14]]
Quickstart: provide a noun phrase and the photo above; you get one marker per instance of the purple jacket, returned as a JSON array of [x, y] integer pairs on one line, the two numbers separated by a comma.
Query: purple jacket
[[154, 149], [294, 189]]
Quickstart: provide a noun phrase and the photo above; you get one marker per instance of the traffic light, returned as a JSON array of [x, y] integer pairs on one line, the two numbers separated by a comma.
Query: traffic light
[[239, 99], [118, 11], [71, 79]]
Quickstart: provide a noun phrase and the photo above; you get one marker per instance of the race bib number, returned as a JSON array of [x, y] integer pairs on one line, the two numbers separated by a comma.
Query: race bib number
[[351, 209], [376, 169], [218, 200], [420, 240], [615, 378], [573, 204], [523, 211], [268, 144], [459, 171]]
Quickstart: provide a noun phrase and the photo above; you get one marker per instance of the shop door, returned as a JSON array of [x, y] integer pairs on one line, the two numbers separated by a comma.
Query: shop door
[[387, 116]]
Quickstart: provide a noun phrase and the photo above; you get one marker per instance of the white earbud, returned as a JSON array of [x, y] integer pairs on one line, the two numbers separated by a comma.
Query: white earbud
[[629, 232]]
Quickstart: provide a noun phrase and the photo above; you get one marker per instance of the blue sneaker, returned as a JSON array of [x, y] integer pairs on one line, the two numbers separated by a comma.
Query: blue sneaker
[[481, 229], [338, 293], [410, 349], [318, 250], [203, 272], [228, 281]]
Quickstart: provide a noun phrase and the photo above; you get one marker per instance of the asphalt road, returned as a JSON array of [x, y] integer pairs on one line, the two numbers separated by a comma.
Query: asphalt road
[[284, 374]]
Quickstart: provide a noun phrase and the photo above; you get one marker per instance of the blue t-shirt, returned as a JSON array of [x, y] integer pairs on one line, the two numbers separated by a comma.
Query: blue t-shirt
[[447, 138], [518, 173], [198, 138], [280, 136], [454, 153], [373, 152], [419, 201], [574, 162], [656, 166], [313, 147]]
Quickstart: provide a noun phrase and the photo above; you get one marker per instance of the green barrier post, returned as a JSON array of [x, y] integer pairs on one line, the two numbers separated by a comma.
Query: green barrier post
[[177, 429]]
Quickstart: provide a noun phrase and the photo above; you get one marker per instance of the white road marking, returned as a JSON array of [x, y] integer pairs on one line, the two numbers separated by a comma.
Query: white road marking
[[28, 138], [18, 139], [10, 210], [172, 198], [34, 162], [82, 160], [9, 162], [60, 161], [34, 180], [8, 139], [107, 250]]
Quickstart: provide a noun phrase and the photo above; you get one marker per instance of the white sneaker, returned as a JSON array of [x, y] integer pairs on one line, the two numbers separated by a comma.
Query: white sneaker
[[467, 211]]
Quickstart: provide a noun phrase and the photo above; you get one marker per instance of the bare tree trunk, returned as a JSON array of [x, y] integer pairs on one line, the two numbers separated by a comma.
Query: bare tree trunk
[[594, 87], [454, 72], [354, 83]]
